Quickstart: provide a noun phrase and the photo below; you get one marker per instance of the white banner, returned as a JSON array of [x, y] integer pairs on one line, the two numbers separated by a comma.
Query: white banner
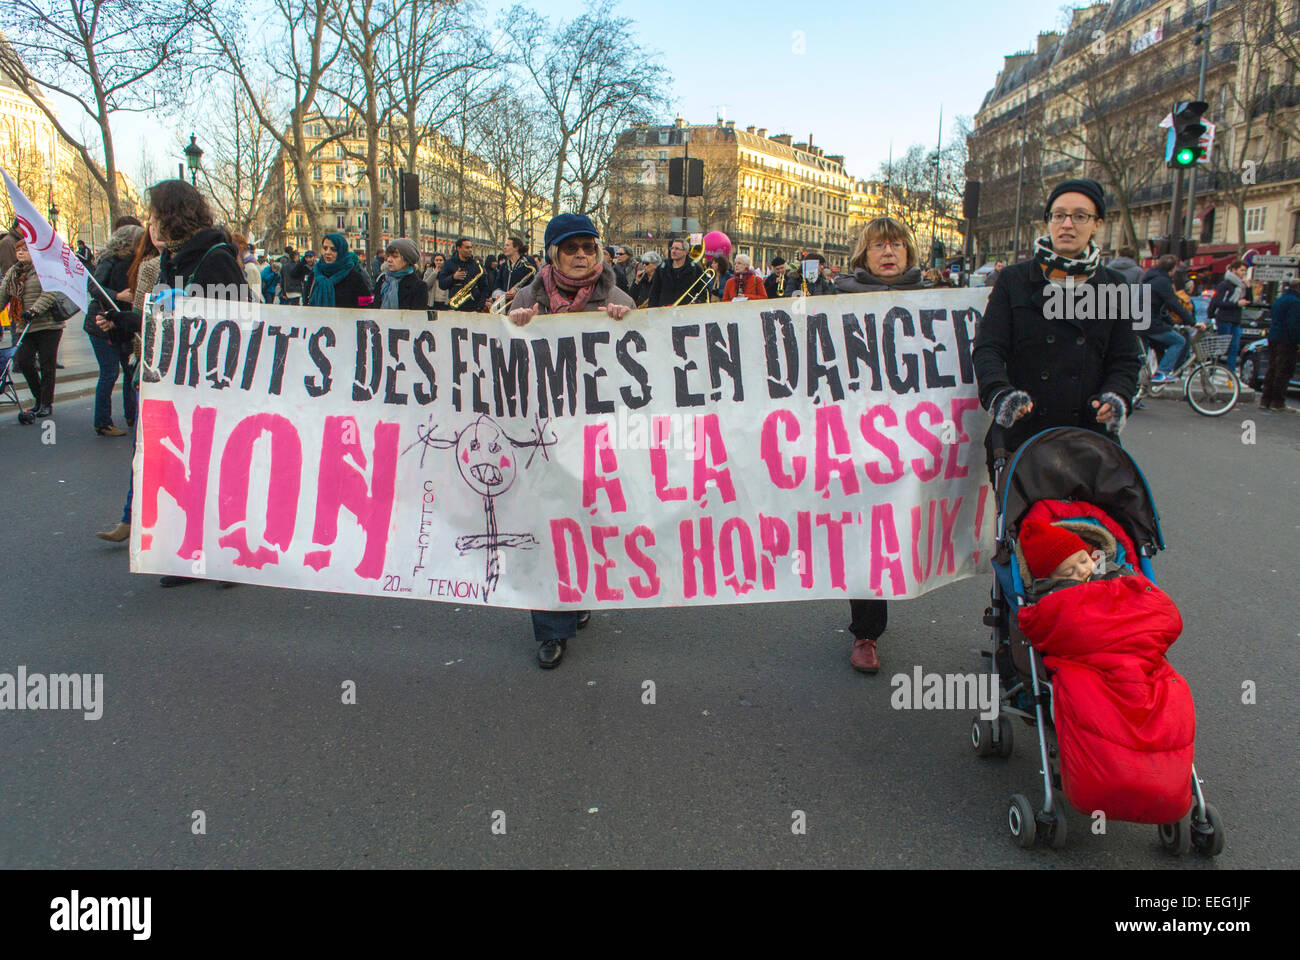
[[55, 262], [758, 451]]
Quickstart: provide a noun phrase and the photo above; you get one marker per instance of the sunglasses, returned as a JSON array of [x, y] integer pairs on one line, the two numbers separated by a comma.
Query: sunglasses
[[570, 247]]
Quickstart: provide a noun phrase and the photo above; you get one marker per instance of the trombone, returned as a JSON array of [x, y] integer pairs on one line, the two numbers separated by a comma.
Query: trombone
[[701, 283], [502, 303]]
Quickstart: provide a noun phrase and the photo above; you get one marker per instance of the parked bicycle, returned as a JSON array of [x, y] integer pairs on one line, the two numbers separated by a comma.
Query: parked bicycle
[[1210, 388]]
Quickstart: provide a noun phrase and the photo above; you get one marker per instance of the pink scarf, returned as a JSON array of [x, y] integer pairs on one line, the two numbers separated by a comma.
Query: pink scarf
[[555, 281]]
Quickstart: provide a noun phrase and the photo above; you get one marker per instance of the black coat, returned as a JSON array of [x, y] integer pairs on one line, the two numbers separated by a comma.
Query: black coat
[[453, 286], [671, 282], [208, 259], [507, 276], [1165, 305], [1225, 307], [771, 281], [1062, 364], [412, 292], [351, 288]]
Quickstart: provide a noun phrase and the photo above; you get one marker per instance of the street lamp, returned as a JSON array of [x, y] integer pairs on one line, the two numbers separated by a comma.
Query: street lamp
[[54, 216], [433, 211], [192, 154]]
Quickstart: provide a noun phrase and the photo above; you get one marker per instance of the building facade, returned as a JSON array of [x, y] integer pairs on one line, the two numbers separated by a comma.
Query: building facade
[[1089, 100], [470, 202]]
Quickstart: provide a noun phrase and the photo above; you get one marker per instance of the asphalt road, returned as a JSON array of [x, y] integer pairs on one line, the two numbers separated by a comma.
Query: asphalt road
[[229, 702]]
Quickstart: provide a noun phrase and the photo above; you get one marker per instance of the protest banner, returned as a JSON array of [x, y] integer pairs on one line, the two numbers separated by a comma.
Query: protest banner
[[767, 450]]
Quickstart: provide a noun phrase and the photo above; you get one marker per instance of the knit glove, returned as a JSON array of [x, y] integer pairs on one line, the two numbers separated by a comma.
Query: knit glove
[[1006, 406], [1118, 411]]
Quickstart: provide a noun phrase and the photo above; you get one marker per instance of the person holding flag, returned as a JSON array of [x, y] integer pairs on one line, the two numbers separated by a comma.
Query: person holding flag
[[37, 317]]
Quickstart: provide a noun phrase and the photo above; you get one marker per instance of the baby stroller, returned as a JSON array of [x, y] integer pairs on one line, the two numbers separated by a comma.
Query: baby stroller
[[1067, 466]]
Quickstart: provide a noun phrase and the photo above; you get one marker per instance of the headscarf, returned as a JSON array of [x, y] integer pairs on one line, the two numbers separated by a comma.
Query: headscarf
[[1059, 268], [328, 274]]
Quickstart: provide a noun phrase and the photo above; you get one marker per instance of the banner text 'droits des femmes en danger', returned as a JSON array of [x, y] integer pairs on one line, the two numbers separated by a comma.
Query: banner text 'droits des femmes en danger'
[[753, 451]]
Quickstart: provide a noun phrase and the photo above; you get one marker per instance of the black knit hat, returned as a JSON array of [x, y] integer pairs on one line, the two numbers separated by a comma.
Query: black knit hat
[[1085, 185], [778, 261]]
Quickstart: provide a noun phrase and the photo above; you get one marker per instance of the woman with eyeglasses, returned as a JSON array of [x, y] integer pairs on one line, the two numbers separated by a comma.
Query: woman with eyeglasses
[[577, 279], [1047, 355], [885, 257]]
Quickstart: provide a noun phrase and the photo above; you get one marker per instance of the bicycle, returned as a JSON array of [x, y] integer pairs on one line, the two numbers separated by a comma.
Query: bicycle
[[1210, 388]]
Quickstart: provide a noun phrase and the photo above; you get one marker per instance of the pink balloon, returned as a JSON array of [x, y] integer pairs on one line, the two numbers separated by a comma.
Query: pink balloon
[[717, 244]]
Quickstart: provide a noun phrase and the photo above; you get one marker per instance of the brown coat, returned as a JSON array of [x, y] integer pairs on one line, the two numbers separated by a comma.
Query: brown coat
[[44, 305], [606, 291]]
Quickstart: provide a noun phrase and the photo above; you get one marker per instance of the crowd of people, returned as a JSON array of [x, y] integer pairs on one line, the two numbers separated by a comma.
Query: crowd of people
[[1032, 372]]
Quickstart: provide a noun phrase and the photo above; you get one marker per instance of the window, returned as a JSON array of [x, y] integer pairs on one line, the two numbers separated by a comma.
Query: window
[[339, 195], [663, 154], [340, 221], [1255, 219], [297, 221], [385, 221], [338, 150], [317, 173], [340, 173], [383, 174]]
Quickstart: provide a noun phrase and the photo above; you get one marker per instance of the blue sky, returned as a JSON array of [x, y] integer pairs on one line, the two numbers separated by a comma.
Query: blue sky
[[870, 73]]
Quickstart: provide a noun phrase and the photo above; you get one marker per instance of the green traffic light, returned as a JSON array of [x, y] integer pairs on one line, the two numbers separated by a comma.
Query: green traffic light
[[1185, 157]]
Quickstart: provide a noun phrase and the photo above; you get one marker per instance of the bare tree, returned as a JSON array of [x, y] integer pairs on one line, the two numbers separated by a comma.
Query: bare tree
[[296, 47], [1104, 123], [438, 51], [584, 70], [105, 56], [517, 149], [239, 154]]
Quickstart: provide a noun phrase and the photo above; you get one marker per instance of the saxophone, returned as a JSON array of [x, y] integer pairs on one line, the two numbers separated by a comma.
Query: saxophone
[[457, 299]]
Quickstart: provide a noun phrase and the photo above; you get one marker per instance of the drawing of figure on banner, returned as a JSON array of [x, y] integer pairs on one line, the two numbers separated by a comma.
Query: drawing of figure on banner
[[487, 460]]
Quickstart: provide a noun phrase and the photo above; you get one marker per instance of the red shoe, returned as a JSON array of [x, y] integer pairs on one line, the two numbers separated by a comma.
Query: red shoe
[[864, 657]]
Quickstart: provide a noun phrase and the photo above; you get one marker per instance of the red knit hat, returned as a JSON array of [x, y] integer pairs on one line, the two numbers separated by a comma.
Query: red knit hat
[[1045, 546]]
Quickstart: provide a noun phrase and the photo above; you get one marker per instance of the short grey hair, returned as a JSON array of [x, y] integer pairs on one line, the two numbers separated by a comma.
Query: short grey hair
[[652, 256], [742, 258]]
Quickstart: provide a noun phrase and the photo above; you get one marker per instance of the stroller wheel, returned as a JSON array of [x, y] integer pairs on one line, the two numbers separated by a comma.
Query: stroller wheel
[[1208, 837], [1006, 737], [1020, 818], [26, 417], [981, 737], [1176, 837], [1059, 831]]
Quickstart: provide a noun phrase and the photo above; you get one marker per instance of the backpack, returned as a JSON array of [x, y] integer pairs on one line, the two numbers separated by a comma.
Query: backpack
[[1213, 306]]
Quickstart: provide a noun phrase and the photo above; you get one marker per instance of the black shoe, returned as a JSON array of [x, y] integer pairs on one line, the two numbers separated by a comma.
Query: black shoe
[[171, 581], [45, 411], [57, 365], [550, 653], [584, 618]]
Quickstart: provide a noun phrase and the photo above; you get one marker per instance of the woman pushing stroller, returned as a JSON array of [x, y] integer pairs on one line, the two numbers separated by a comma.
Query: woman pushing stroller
[[1040, 368]]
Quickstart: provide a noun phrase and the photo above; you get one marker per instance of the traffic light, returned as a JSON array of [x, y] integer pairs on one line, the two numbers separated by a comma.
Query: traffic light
[[1183, 144], [937, 252]]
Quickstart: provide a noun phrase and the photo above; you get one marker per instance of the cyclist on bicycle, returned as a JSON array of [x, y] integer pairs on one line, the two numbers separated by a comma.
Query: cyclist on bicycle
[[1165, 305]]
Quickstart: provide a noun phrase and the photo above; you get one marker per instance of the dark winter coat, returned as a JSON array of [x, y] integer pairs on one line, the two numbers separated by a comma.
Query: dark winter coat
[[412, 292], [507, 276], [641, 289], [1285, 324], [863, 281], [773, 280], [1165, 304], [292, 274], [453, 286], [350, 289], [1225, 305], [1062, 364], [671, 282], [207, 259]]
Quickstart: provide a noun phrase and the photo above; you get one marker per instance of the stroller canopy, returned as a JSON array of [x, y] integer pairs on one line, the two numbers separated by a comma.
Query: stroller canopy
[[1069, 463]]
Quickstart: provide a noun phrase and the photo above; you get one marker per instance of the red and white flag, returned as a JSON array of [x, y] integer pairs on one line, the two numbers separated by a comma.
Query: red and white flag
[[56, 263]]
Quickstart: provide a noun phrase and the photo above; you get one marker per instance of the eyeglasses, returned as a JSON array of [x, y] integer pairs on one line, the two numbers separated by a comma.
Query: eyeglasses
[[881, 245], [1059, 217], [570, 247]]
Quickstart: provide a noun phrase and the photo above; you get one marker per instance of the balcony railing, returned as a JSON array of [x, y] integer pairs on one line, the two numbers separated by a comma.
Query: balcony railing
[[1278, 98]]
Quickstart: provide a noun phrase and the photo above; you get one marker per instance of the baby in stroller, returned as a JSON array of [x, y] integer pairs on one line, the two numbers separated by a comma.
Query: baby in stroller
[[1124, 717]]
